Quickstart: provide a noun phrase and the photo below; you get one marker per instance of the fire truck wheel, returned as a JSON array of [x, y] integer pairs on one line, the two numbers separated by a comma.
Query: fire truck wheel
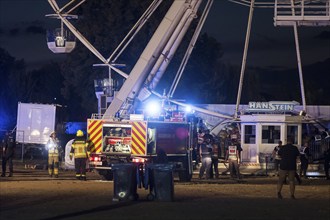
[[134, 197], [108, 175], [184, 176], [150, 197]]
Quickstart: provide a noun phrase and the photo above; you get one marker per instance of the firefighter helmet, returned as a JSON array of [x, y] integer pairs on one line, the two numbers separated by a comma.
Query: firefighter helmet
[[80, 133]]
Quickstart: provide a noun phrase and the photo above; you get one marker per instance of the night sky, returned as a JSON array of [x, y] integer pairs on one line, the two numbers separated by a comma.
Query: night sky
[[23, 23]]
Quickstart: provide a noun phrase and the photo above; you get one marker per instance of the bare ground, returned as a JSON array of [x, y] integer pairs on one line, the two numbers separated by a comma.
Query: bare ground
[[31, 194]]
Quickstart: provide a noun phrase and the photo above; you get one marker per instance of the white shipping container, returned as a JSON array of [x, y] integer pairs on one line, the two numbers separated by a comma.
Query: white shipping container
[[35, 122]]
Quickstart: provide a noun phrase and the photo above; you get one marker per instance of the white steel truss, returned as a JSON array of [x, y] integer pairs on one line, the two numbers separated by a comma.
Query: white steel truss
[[302, 13]]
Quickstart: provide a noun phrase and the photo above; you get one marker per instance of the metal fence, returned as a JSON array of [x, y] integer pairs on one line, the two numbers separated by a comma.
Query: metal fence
[[318, 148]]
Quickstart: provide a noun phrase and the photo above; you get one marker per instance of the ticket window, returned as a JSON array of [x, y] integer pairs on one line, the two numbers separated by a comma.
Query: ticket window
[[271, 134], [249, 134], [292, 131]]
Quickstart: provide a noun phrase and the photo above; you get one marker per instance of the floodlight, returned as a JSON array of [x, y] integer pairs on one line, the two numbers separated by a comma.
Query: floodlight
[[153, 108]]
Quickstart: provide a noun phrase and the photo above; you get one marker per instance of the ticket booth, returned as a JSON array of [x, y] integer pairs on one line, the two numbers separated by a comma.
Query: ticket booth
[[262, 131]]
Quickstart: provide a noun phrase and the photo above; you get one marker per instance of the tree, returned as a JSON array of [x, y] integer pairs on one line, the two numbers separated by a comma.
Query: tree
[[13, 76]]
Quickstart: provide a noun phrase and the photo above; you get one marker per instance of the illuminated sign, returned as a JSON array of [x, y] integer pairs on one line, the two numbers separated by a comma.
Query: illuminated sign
[[273, 106]]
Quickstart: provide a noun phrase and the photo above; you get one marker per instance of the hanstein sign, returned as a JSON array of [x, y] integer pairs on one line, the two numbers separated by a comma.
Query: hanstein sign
[[272, 106]]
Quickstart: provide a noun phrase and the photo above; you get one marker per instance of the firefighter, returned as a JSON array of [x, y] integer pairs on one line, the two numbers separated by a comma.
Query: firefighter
[[304, 157], [53, 149], [276, 157], [200, 140], [79, 150], [215, 161], [233, 158], [205, 153], [8, 152]]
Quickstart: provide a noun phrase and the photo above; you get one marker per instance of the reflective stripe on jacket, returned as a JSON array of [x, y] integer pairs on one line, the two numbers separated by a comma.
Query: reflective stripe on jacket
[[79, 149], [277, 157], [52, 146], [232, 153]]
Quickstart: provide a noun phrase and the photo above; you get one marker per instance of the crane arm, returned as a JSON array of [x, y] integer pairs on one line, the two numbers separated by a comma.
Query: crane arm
[[175, 23]]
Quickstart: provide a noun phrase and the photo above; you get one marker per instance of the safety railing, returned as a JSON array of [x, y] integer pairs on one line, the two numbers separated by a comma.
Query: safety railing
[[318, 148], [302, 12]]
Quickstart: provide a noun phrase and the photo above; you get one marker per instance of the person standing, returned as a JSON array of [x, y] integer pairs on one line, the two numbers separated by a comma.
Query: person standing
[[200, 140], [233, 158], [79, 150], [288, 165], [304, 156], [215, 161], [8, 152], [205, 153], [276, 157], [53, 149], [326, 163]]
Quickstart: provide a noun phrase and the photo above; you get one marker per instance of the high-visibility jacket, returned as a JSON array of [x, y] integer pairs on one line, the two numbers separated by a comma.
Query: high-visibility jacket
[[79, 148], [304, 153], [275, 153], [53, 146], [232, 152]]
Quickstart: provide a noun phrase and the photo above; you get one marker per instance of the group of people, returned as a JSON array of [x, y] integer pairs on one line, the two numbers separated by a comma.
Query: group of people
[[304, 155], [79, 151], [285, 160], [209, 153]]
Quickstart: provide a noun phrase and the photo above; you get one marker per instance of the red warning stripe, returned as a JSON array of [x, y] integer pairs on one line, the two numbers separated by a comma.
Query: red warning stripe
[[95, 134], [139, 138]]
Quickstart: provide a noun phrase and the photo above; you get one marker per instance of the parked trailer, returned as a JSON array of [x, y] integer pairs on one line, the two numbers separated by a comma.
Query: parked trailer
[[35, 122]]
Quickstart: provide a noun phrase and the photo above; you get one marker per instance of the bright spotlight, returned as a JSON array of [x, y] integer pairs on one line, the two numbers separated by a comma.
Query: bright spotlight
[[153, 108], [188, 109]]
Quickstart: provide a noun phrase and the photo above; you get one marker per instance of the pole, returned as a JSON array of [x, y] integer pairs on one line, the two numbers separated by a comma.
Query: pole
[[246, 47], [301, 80]]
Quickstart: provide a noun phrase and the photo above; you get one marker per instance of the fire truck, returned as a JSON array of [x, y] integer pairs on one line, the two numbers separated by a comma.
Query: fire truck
[[138, 140]]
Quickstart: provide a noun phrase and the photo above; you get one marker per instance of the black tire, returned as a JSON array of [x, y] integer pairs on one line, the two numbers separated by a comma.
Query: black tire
[[150, 197], [134, 197], [107, 174], [184, 176]]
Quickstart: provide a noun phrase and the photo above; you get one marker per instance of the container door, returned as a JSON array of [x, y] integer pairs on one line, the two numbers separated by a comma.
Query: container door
[[249, 144]]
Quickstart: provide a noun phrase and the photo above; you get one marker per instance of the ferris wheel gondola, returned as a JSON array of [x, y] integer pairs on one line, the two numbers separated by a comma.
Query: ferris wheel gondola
[[61, 40]]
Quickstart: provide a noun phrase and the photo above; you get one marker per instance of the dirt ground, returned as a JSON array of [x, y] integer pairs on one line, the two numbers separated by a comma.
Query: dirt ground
[[31, 194]]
